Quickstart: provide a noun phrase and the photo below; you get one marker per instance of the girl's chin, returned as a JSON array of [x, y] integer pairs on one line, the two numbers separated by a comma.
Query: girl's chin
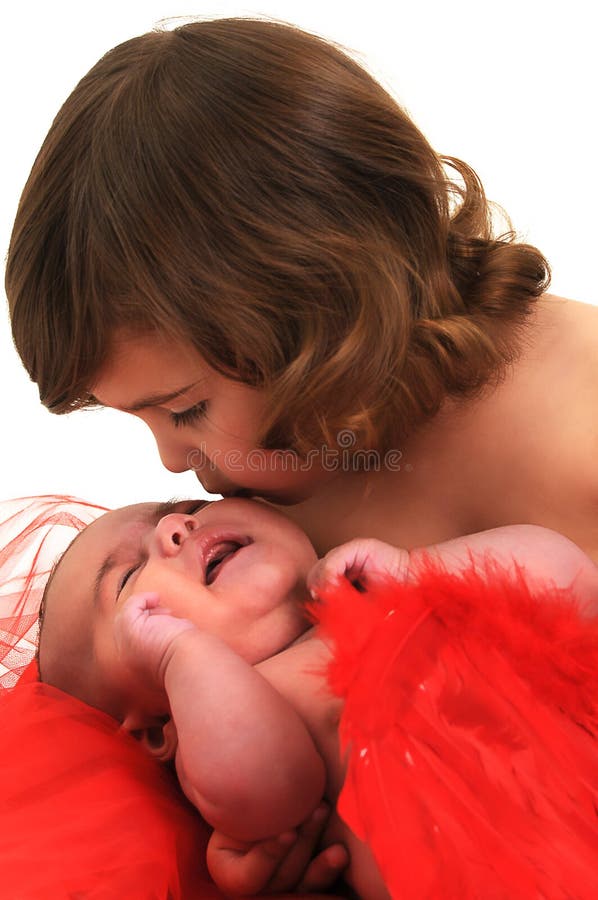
[[281, 497]]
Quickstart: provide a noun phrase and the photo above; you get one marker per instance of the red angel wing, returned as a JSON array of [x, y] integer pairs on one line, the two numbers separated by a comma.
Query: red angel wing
[[470, 717]]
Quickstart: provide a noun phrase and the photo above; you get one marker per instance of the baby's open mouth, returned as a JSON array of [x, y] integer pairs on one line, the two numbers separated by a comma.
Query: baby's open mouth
[[219, 555]]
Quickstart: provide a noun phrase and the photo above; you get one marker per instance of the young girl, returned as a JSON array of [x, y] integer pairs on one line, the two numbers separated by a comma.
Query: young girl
[[234, 233], [185, 622]]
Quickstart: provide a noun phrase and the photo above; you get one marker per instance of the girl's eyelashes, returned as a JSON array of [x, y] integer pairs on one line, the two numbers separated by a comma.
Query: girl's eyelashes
[[189, 416]]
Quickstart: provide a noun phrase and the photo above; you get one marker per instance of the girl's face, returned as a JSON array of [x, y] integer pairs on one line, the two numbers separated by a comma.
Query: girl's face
[[202, 420]]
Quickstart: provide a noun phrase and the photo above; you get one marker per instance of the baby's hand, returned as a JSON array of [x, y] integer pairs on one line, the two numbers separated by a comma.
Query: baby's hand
[[362, 561], [146, 634], [283, 863]]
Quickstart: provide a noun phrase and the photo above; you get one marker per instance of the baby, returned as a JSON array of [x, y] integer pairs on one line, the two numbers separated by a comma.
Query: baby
[[186, 622]]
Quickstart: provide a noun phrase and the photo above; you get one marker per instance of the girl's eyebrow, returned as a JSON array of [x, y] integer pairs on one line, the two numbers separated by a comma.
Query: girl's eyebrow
[[154, 399], [151, 519]]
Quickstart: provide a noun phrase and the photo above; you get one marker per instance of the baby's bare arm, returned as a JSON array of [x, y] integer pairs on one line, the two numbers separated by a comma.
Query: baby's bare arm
[[540, 554], [245, 758]]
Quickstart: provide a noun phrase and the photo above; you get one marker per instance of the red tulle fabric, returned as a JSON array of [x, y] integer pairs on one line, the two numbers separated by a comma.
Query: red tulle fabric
[[471, 723], [86, 813]]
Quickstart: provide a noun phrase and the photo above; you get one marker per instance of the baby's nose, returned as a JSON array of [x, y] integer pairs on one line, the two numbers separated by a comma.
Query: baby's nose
[[172, 531]]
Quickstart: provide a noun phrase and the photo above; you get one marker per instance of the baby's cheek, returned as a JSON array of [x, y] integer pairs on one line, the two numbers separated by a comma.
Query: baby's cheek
[[284, 586], [166, 584]]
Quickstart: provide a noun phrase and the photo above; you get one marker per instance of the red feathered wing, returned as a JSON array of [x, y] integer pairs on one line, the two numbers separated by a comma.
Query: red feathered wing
[[470, 721]]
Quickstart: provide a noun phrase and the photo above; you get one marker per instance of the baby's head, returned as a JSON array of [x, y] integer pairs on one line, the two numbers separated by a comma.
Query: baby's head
[[235, 568]]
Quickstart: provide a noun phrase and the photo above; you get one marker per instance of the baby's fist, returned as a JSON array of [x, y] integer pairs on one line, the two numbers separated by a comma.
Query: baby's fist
[[146, 633], [361, 561]]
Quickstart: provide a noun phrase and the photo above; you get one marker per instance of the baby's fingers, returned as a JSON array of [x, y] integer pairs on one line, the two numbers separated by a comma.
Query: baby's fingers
[[241, 869], [139, 605], [301, 868], [345, 561], [325, 869], [136, 608], [359, 561]]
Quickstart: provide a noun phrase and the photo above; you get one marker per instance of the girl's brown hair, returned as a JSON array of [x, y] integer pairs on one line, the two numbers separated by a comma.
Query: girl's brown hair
[[250, 188]]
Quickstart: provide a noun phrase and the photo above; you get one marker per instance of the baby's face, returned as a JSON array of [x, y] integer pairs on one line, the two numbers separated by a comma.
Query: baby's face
[[235, 568]]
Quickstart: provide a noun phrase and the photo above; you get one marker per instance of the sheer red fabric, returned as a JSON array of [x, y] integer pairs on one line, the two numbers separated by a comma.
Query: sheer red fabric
[[471, 722], [33, 532], [86, 813]]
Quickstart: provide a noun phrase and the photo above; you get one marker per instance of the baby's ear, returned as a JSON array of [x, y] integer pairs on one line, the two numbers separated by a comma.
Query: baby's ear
[[159, 738]]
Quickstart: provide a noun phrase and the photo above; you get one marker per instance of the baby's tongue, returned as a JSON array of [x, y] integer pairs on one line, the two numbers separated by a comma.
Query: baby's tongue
[[220, 555]]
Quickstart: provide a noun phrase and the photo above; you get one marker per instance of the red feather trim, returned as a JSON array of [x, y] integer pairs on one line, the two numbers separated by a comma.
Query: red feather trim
[[471, 717]]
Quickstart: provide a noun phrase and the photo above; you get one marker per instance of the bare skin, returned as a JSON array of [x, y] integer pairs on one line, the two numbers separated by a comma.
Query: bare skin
[[524, 452], [253, 744], [166, 546]]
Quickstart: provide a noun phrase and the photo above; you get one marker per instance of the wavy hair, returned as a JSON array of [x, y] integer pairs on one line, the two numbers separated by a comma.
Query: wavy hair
[[249, 188]]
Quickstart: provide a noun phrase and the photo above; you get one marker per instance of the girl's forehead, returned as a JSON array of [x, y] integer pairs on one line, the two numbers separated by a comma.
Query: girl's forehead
[[155, 343], [151, 360]]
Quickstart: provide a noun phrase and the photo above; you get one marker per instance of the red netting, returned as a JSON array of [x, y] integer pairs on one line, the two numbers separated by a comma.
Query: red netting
[[34, 531]]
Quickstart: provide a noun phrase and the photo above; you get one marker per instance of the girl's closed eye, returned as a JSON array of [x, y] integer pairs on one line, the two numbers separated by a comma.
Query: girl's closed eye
[[189, 416]]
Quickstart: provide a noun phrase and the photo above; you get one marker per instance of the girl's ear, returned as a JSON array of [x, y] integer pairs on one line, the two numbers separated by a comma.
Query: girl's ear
[[159, 739]]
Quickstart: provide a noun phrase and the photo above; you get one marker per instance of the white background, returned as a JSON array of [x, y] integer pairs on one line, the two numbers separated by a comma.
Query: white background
[[509, 87]]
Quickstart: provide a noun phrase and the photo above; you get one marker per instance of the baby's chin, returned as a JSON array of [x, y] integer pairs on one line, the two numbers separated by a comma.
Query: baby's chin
[[293, 641], [279, 630]]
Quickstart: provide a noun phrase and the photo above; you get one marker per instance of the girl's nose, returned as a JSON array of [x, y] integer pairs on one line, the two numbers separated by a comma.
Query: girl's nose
[[174, 456], [172, 531], [174, 451]]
